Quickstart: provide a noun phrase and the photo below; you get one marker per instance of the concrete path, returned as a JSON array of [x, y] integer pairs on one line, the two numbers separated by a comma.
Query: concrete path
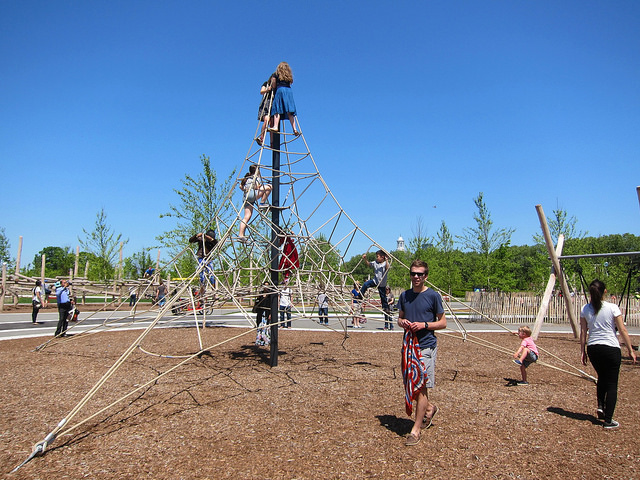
[[19, 325]]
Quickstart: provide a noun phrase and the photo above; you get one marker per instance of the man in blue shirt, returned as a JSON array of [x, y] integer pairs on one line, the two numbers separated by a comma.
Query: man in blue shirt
[[63, 298], [420, 311]]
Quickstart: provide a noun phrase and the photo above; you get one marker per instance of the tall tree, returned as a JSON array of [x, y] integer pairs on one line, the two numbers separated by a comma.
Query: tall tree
[[561, 223], [483, 238], [136, 264], [444, 244], [104, 243], [200, 200], [58, 261], [444, 239], [5, 248], [420, 239]]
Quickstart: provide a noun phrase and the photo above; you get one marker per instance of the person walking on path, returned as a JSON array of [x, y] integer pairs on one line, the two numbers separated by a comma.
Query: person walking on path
[[133, 295], [388, 320], [599, 321], [356, 306], [420, 313], [323, 307], [285, 305], [36, 301], [161, 294], [65, 303]]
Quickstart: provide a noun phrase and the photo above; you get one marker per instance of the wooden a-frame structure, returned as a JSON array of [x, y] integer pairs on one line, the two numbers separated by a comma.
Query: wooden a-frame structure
[[555, 254]]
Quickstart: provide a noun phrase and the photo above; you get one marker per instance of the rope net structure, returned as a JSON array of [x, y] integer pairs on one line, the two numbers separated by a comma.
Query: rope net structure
[[232, 274]]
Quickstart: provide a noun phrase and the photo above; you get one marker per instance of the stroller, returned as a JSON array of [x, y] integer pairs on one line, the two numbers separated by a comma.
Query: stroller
[[73, 314]]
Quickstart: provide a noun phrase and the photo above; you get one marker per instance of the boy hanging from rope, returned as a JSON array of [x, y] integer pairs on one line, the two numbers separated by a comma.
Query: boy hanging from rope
[[380, 268]]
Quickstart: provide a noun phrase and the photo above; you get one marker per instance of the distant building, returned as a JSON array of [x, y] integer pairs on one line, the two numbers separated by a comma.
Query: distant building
[[400, 244]]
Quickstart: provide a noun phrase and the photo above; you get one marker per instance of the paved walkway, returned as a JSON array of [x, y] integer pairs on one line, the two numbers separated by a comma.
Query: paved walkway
[[19, 325]]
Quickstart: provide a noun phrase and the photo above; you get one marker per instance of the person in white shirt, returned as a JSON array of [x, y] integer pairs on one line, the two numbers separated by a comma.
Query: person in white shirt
[[599, 321], [36, 301], [285, 306]]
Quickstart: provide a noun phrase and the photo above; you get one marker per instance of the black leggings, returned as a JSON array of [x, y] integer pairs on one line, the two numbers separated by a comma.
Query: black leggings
[[606, 361]]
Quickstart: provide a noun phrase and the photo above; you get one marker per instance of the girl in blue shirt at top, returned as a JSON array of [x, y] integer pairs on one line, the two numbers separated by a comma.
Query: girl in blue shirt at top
[[283, 102]]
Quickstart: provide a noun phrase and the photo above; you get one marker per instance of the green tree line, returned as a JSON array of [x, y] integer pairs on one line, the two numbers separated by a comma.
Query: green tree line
[[481, 258], [521, 268]]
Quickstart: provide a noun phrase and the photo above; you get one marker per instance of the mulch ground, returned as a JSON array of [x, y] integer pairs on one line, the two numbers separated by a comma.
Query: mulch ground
[[330, 409]]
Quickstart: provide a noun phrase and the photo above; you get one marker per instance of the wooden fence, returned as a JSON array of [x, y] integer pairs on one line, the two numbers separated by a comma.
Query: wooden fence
[[511, 308]]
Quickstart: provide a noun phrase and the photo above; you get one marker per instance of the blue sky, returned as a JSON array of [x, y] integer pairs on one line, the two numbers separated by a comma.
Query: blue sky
[[404, 105]]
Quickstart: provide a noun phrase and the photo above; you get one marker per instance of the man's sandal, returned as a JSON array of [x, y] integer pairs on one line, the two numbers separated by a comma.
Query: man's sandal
[[412, 440], [428, 421]]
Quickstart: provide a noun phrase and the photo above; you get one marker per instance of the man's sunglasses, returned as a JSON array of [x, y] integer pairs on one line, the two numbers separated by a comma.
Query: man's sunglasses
[[417, 274]]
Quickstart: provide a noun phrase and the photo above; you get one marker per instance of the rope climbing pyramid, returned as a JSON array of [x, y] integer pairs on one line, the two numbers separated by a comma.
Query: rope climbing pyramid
[[303, 238]]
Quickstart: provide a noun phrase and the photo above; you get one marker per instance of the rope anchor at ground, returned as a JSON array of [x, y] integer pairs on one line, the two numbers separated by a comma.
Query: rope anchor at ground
[[40, 447]]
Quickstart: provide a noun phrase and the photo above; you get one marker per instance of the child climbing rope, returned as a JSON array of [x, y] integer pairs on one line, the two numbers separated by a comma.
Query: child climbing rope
[[283, 99], [266, 90], [253, 189], [381, 268]]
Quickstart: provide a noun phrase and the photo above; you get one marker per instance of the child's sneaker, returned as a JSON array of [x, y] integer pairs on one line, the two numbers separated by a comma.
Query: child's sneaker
[[600, 414], [522, 382], [517, 362], [611, 425]]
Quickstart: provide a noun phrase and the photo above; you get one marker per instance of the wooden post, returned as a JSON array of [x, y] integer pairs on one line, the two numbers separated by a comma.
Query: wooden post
[[86, 270], [544, 306], [558, 269], [638, 192], [251, 270], [120, 263], [45, 297], [18, 257], [75, 266], [158, 262], [4, 285]]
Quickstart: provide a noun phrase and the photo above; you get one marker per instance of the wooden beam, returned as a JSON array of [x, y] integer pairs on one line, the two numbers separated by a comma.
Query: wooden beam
[[556, 265], [19, 255], [544, 306], [75, 265], [4, 285]]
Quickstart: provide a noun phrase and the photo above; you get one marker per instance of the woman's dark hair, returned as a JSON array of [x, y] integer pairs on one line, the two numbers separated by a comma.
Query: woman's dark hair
[[38, 283], [596, 290], [250, 173]]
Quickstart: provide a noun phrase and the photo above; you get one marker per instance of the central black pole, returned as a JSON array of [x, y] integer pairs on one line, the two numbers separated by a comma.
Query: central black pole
[[275, 242]]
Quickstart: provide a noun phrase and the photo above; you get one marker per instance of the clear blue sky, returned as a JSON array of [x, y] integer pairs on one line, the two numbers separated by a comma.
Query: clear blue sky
[[404, 105]]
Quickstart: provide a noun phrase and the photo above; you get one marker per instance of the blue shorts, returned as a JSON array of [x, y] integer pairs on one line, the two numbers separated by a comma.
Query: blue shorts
[[531, 358]]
